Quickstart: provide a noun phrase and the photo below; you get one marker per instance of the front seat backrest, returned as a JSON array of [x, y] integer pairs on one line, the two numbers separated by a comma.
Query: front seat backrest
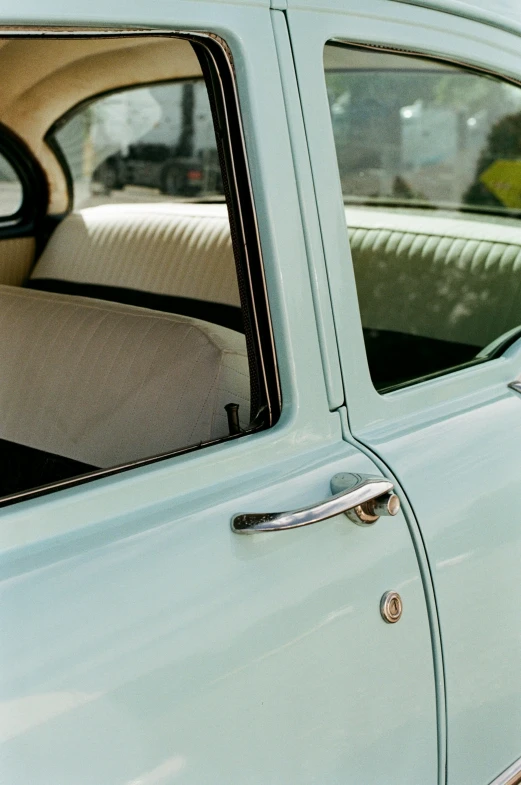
[[105, 383]]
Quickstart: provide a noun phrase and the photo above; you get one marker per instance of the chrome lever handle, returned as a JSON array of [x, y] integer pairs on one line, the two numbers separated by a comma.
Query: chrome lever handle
[[362, 497]]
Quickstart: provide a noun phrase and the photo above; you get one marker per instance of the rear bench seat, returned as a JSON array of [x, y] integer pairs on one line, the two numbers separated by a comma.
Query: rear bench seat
[[449, 279], [171, 257], [433, 290], [102, 384], [178, 257]]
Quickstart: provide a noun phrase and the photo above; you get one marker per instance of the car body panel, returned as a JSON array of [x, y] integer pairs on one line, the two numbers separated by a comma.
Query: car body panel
[[163, 643], [452, 442], [501, 13], [148, 643], [460, 472]]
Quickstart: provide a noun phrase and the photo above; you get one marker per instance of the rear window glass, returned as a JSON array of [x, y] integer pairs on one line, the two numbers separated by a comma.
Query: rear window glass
[[151, 143]]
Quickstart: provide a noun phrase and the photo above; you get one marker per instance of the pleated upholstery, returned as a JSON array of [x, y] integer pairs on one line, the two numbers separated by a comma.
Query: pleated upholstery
[[446, 278], [451, 279], [183, 250], [105, 383]]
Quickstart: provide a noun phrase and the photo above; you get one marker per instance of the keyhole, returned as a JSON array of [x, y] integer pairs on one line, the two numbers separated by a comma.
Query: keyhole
[[391, 607]]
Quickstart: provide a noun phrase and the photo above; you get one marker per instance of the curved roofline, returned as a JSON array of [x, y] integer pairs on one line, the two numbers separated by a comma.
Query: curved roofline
[[500, 13]]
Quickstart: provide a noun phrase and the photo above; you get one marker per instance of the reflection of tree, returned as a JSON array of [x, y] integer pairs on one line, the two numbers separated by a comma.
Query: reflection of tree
[[503, 143]]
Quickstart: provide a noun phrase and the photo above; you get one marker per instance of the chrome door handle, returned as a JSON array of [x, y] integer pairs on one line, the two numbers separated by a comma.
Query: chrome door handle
[[361, 497]]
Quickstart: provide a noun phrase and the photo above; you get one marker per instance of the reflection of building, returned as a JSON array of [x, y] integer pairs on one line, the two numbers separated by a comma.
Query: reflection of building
[[414, 133], [429, 135], [7, 173]]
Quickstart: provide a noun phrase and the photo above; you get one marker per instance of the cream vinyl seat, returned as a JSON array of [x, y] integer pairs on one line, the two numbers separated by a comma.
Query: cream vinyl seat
[[105, 383], [179, 257], [449, 279]]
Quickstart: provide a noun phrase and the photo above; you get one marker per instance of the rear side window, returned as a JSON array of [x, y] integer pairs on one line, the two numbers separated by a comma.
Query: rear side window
[[153, 143], [11, 191], [135, 337], [413, 132], [429, 158]]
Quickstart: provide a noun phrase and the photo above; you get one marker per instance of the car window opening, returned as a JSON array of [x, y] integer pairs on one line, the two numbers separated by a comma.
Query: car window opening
[[429, 158], [128, 328]]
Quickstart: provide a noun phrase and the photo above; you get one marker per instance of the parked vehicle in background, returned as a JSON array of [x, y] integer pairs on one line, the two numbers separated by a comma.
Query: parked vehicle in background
[[159, 166], [177, 154], [160, 136]]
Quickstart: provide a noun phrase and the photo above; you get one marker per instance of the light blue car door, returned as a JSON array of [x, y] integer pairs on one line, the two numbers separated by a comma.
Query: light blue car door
[[145, 642], [430, 346]]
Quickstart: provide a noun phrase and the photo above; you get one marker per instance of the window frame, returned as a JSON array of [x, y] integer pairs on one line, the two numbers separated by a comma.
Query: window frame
[[404, 29], [502, 342], [222, 90]]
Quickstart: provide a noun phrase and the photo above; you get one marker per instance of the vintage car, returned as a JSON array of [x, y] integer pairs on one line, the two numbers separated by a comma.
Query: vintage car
[[261, 438]]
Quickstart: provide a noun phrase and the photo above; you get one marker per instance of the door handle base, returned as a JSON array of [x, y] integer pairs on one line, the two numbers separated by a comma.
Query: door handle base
[[367, 513]]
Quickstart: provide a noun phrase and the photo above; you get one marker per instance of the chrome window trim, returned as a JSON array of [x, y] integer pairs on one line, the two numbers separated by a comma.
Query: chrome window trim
[[274, 406], [81, 479], [511, 776]]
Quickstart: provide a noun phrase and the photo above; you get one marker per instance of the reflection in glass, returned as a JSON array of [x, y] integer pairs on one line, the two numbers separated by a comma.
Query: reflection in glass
[[419, 132], [143, 144], [11, 192], [429, 159]]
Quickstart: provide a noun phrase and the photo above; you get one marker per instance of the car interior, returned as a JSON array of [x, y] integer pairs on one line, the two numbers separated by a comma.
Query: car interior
[[127, 336], [425, 151], [127, 322]]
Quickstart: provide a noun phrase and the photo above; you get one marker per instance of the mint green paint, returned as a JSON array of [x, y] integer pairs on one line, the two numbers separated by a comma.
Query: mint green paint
[[430, 596], [501, 13], [147, 642], [452, 443], [165, 641]]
